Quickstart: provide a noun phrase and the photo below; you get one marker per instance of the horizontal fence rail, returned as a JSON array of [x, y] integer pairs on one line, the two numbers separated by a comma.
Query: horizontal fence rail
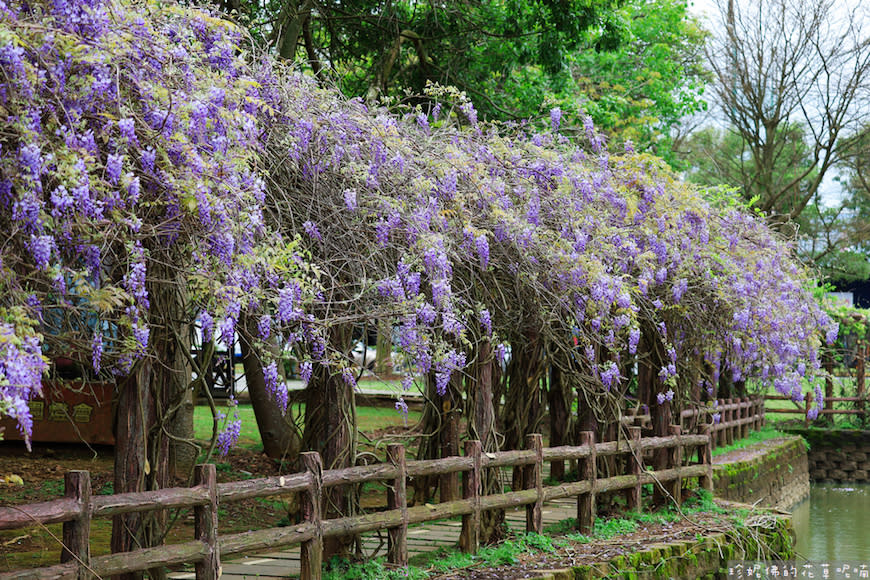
[[728, 419], [804, 407], [79, 507]]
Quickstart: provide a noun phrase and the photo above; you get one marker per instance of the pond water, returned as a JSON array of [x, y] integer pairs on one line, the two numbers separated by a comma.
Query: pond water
[[832, 525]]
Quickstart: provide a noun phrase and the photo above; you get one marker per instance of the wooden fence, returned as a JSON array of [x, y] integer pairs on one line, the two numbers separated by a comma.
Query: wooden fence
[[736, 417], [803, 407], [79, 507]]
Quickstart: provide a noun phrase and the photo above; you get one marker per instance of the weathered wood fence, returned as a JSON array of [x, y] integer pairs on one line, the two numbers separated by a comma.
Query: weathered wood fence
[[803, 407], [859, 402], [728, 419], [79, 507]]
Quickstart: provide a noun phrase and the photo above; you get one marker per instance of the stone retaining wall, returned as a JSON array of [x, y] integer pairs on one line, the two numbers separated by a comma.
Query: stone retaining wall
[[774, 474], [837, 455]]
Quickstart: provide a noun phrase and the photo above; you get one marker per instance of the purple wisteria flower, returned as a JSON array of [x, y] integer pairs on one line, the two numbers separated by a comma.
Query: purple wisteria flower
[[350, 199], [305, 370], [228, 438], [482, 246], [486, 321], [97, 351], [114, 167], [312, 231], [141, 334], [667, 396], [633, 339], [555, 117], [207, 324], [610, 375], [41, 248], [264, 327], [270, 377]]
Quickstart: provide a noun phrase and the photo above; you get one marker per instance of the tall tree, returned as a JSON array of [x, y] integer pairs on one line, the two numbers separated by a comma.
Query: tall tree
[[642, 89], [385, 48], [790, 80]]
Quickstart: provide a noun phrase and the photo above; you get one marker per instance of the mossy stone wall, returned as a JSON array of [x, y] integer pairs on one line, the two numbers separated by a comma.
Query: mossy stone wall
[[777, 477]]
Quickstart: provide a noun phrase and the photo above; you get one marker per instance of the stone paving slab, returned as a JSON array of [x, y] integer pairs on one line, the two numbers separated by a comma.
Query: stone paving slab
[[421, 539]]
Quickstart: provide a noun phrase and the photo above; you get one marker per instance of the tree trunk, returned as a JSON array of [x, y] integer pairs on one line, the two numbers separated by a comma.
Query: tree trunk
[[383, 356], [148, 407], [135, 410], [330, 429], [183, 450], [522, 412], [481, 426], [557, 396], [280, 436], [449, 435], [428, 444]]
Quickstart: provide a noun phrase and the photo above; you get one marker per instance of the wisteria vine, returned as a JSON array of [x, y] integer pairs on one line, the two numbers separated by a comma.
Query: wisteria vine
[[139, 138]]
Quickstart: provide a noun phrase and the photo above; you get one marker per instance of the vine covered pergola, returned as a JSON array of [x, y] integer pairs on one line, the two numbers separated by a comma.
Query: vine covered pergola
[[158, 172]]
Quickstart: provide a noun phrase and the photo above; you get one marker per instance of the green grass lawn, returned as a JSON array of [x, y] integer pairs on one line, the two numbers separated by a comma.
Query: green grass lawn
[[843, 387], [763, 434], [368, 419]]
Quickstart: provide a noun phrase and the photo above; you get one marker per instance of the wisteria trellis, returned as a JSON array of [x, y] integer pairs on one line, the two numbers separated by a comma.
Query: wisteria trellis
[[137, 135]]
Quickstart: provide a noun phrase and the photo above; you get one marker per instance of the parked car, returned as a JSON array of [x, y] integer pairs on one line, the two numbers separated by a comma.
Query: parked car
[[364, 356]]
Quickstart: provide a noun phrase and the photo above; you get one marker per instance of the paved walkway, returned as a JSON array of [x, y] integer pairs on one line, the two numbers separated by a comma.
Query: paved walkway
[[421, 538]]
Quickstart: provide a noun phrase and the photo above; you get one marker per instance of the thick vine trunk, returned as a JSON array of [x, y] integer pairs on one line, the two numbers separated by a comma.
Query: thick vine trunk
[[661, 414], [559, 406], [481, 426], [281, 439], [523, 409], [330, 429], [152, 416], [428, 444], [135, 410], [449, 435]]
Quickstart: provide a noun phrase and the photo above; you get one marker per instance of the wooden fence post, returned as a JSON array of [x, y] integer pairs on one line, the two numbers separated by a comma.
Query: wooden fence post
[[588, 469], [758, 413], [729, 418], [635, 466], [705, 457], [744, 414], [206, 523], [723, 420], [828, 363], [397, 498], [76, 533], [533, 478], [711, 428], [311, 563], [676, 462], [469, 539]]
